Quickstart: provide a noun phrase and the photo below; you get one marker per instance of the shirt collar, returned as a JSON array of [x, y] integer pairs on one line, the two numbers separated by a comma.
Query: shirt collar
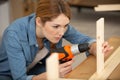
[[32, 31]]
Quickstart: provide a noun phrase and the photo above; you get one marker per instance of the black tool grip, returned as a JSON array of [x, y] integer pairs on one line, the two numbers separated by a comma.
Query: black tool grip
[[83, 47], [61, 51]]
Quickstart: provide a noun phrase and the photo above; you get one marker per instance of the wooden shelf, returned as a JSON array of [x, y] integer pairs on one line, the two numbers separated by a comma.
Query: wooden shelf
[[91, 3]]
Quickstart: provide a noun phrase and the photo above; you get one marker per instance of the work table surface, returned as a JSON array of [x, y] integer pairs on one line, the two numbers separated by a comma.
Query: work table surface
[[88, 67]]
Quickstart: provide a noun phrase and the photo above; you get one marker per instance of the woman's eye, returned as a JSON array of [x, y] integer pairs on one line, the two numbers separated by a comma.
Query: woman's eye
[[55, 26]]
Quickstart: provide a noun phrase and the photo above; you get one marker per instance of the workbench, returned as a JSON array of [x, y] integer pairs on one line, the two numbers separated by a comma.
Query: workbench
[[99, 5], [91, 3], [88, 67]]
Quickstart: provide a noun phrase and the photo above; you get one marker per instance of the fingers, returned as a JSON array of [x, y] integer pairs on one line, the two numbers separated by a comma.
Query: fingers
[[66, 64], [65, 68], [106, 47]]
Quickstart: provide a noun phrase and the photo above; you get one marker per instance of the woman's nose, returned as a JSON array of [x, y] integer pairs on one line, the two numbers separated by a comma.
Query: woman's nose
[[61, 31]]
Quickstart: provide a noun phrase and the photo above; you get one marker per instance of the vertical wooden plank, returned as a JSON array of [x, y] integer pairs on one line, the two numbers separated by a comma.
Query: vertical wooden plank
[[53, 67], [100, 40]]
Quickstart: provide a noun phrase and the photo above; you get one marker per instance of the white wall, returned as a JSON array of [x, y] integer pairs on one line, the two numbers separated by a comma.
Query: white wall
[[4, 17]]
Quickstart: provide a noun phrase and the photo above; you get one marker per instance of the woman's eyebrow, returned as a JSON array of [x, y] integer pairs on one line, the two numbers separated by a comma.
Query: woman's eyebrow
[[60, 25], [66, 24]]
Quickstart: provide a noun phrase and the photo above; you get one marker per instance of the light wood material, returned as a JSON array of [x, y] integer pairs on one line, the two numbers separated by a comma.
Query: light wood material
[[52, 67], [91, 3], [108, 7], [100, 40], [87, 68], [110, 65]]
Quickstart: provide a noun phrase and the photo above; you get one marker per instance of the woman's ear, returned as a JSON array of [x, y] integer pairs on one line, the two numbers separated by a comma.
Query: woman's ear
[[38, 21]]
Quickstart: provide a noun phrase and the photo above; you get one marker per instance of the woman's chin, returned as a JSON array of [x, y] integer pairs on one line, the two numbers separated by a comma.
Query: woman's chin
[[54, 42]]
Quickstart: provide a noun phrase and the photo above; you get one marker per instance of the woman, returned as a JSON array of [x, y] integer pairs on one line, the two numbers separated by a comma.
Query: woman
[[28, 40]]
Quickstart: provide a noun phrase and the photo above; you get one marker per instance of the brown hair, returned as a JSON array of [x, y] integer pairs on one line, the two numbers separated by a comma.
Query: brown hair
[[50, 9]]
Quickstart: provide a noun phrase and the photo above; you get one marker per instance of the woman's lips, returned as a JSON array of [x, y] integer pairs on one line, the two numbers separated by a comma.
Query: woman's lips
[[58, 38]]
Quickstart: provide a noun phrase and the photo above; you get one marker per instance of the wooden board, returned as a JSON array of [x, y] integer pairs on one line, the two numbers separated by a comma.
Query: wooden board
[[108, 7], [100, 41], [110, 65], [52, 67], [91, 3]]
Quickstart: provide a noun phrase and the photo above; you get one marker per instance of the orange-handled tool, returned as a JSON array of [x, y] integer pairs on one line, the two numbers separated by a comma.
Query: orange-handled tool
[[67, 52]]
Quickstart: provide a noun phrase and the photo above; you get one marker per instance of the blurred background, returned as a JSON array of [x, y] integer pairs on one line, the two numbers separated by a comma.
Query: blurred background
[[84, 16]]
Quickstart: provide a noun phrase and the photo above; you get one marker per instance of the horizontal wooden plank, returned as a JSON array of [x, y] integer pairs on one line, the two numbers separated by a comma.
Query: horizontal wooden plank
[[110, 65], [108, 7]]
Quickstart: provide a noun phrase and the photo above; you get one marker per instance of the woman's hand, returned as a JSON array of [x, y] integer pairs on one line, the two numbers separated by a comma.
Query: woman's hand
[[65, 68], [42, 76], [106, 48]]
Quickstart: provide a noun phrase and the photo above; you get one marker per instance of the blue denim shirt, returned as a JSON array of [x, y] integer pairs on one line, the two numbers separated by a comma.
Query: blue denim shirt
[[19, 46]]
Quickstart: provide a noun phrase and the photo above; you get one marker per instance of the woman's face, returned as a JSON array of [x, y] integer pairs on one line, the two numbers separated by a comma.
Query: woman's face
[[55, 29]]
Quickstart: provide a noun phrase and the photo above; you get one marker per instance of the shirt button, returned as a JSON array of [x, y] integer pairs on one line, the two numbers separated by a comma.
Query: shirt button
[[40, 62], [36, 45]]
